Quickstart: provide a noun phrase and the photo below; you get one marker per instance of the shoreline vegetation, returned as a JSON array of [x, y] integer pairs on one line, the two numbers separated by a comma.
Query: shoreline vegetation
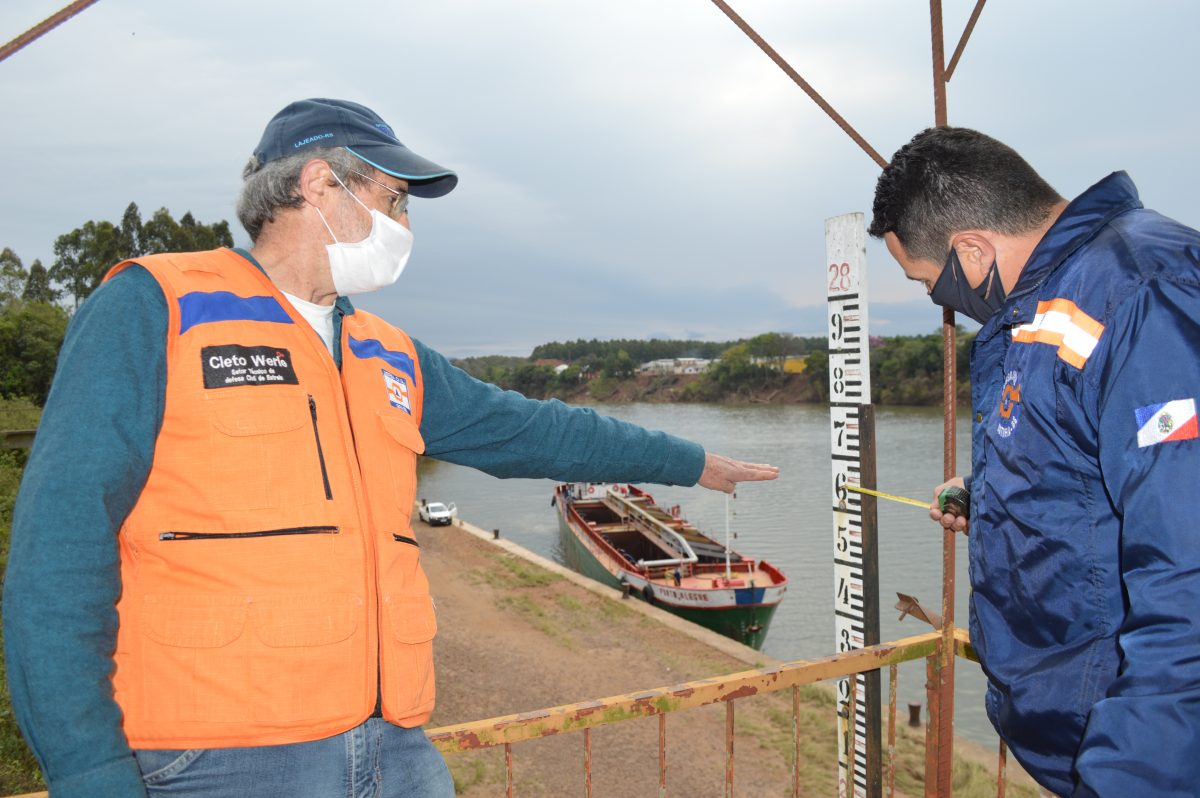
[[772, 368]]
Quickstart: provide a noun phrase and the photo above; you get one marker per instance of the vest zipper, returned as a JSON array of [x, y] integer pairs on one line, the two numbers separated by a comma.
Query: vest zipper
[[409, 541], [312, 411], [263, 533]]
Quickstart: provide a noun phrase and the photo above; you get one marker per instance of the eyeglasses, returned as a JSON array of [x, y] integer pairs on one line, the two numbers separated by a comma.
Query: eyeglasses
[[399, 202]]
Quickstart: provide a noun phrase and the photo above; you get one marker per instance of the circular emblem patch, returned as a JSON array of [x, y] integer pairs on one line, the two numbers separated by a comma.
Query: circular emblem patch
[[1010, 404]]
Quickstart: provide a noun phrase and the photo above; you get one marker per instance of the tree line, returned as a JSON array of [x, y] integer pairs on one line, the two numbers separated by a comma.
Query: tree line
[[36, 302], [643, 351], [905, 369]]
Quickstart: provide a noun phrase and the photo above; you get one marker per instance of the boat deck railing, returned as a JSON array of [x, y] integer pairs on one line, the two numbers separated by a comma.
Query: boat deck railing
[[659, 703], [743, 568]]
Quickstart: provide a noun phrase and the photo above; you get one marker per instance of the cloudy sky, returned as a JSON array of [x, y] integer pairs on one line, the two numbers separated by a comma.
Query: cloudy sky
[[628, 168]]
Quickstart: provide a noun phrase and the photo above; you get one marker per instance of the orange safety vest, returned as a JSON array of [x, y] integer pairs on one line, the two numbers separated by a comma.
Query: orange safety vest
[[271, 583]]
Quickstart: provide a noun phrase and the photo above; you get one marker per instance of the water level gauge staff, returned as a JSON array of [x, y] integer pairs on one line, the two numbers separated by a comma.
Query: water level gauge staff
[[1084, 545]]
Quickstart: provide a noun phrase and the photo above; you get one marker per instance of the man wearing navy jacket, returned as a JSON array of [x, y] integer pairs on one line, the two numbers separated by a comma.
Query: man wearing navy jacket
[[1084, 547]]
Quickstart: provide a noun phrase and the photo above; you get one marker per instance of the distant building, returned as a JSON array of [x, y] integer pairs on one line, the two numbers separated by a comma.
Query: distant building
[[794, 364], [675, 365], [548, 361]]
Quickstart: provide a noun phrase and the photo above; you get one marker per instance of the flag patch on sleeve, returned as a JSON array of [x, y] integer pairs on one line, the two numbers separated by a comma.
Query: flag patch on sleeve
[[1169, 421]]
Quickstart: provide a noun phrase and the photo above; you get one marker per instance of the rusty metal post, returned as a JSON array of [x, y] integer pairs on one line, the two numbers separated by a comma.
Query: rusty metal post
[[892, 730], [1002, 771], [729, 749], [587, 763], [662, 756], [941, 704], [931, 726], [796, 741], [799, 81], [508, 768], [962, 43]]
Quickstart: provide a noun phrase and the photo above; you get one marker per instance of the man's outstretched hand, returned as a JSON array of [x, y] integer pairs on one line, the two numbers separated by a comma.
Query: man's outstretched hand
[[723, 474]]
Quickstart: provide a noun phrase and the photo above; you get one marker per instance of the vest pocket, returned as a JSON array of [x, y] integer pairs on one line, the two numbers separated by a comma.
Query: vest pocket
[[238, 659], [190, 668], [412, 624], [260, 533], [404, 443], [306, 671], [254, 442]]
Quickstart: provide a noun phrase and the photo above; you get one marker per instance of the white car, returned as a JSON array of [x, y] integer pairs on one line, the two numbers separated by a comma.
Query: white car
[[437, 514]]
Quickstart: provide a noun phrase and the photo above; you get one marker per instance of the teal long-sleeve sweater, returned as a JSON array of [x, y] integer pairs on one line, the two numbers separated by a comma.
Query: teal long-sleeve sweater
[[93, 453]]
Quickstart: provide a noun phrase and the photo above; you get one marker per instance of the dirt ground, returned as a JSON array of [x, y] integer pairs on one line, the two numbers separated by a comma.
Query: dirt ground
[[513, 638]]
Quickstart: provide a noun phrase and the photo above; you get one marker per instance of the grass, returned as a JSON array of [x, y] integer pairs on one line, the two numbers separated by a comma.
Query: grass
[[513, 572], [570, 604], [616, 610], [691, 668], [969, 779], [538, 617], [467, 771]]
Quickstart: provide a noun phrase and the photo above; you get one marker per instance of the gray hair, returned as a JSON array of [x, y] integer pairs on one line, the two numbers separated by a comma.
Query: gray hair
[[269, 187]]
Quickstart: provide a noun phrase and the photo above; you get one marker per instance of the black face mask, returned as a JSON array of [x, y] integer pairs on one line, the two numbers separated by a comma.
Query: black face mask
[[953, 291]]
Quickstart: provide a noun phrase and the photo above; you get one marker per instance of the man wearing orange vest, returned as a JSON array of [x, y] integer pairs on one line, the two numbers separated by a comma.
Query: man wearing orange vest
[[214, 588]]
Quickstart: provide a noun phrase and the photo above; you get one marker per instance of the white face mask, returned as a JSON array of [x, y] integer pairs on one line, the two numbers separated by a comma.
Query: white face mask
[[373, 263]]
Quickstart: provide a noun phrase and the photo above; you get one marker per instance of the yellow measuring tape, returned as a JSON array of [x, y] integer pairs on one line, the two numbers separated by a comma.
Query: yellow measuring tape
[[889, 496]]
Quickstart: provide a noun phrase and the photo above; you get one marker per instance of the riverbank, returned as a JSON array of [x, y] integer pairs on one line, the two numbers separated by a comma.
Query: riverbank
[[786, 389], [518, 633]]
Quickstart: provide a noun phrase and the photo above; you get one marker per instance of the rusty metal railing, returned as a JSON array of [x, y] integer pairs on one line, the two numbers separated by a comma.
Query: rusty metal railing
[[508, 730]]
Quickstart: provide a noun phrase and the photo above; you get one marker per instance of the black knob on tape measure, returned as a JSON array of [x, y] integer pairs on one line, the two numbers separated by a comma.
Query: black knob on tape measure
[[955, 500]]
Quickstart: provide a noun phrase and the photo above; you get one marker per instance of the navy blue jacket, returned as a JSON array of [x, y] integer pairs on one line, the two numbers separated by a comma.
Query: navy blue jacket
[[91, 458], [1085, 531]]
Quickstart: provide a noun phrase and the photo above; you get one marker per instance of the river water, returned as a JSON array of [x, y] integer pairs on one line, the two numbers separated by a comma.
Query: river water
[[788, 521]]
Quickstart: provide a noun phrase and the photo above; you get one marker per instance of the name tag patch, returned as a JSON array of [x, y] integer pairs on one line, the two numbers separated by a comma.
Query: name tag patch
[[231, 365], [397, 391]]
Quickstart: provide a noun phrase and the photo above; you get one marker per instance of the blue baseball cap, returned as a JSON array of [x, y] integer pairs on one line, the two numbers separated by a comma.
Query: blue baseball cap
[[318, 123]]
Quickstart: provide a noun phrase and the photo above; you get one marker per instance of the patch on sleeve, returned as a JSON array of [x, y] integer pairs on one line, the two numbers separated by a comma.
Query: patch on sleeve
[[1166, 422], [397, 391]]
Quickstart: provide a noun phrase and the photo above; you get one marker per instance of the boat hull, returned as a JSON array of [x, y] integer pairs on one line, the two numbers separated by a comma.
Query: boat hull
[[743, 614]]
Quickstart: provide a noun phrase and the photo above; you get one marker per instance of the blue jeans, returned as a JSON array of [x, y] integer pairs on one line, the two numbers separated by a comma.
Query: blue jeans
[[374, 760]]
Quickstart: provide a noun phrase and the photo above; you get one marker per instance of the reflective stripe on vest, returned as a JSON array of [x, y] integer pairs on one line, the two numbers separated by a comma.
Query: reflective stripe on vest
[[270, 582]]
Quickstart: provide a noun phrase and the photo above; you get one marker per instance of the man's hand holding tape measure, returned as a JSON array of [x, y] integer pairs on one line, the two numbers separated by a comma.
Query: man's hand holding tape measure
[[951, 506]]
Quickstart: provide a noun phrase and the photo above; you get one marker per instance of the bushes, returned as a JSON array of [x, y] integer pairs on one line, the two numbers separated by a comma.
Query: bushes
[[30, 336], [19, 772]]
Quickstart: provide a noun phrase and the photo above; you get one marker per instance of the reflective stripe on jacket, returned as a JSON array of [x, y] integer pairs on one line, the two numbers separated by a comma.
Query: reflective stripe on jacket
[[270, 576]]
